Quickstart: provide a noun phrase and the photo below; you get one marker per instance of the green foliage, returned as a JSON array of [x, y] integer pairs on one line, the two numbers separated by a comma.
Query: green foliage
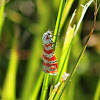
[[97, 93], [21, 73], [1, 15], [9, 90]]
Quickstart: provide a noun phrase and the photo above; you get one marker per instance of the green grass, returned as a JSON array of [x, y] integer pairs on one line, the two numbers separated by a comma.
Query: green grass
[[27, 81], [9, 87], [97, 93], [65, 55], [63, 86], [66, 50], [72, 32], [47, 76], [2, 6]]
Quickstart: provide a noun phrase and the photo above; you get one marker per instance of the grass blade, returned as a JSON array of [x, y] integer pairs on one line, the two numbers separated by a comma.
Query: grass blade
[[32, 69], [58, 21], [37, 87], [45, 86], [63, 62], [97, 93], [1, 15], [36, 51], [82, 15], [65, 52], [47, 77], [66, 10], [8, 92], [61, 89], [66, 48]]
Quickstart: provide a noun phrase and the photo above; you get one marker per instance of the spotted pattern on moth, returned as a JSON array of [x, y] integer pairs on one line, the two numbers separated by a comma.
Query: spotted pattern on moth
[[49, 60]]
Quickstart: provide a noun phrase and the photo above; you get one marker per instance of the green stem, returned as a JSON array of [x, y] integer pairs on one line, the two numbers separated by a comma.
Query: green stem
[[37, 87], [45, 86], [1, 15], [97, 93], [47, 77], [9, 88], [60, 91], [58, 22]]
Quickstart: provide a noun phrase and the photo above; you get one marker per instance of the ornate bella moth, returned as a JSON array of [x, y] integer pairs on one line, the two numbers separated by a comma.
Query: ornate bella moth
[[49, 60]]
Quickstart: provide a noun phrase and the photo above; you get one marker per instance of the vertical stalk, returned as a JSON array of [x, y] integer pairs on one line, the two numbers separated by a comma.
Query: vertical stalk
[[97, 93], [58, 22], [1, 15], [47, 77], [45, 86], [9, 88]]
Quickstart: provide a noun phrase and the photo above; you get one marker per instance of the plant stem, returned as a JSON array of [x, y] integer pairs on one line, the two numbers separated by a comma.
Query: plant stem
[[1, 15], [97, 93], [58, 22], [47, 77], [60, 91], [45, 86]]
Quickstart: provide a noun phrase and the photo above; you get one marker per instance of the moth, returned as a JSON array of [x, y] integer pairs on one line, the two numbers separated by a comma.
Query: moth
[[49, 60]]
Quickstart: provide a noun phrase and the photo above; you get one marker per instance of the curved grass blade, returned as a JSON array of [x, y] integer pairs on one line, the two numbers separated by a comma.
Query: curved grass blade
[[66, 49], [82, 15], [65, 52], [62, 87]]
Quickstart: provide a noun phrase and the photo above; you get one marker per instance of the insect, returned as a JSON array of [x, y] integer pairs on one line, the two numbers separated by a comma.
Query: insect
[[49, 60]]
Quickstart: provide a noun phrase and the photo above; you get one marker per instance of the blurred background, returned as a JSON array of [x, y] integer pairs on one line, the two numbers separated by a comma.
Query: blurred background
[[21, 48]]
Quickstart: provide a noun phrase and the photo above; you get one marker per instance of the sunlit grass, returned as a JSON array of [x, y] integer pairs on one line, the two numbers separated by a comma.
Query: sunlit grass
[[97, 93], [9, 88], [37, 85], [47, 76], [66, 50], [2, 6]]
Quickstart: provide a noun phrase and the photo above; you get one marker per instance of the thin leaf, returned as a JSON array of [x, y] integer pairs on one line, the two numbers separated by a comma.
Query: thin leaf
[[9, 88], [1, 15], [47, 77], [97, 93], [82, 15], [58, 22], [66, 49], [65, 52], [45, 86], [66, 11], [63, 86], [36, 51], [37, 87]]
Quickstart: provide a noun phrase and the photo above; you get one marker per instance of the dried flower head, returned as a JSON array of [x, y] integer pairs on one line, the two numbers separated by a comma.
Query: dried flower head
[[56, 86], [64, 76]]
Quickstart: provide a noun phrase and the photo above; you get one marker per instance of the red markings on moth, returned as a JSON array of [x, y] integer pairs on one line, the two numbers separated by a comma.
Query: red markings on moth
[[49, 60]]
